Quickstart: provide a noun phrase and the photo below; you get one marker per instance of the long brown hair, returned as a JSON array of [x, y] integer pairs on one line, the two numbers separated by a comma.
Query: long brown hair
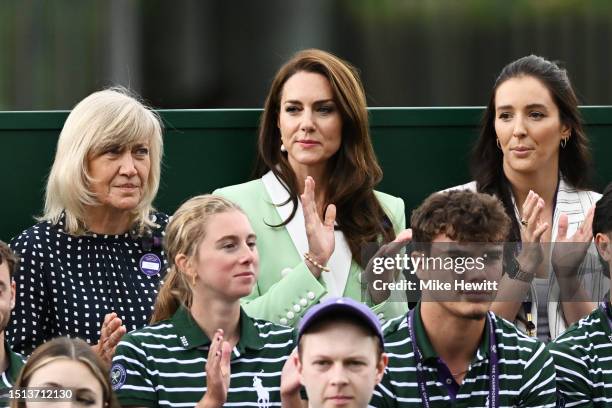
[[72, 349], [184, 233], [353, 171], [574, 159]]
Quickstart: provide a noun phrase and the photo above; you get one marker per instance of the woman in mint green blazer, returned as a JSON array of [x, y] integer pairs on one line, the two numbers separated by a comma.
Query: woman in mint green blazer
[[314, 132]]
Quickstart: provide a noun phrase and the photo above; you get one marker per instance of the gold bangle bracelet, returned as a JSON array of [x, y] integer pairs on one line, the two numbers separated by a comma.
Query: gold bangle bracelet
[[315, 263]]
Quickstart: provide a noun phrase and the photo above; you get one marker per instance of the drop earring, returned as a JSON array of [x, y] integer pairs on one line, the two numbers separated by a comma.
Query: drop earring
[[498, 145], [564, 142]]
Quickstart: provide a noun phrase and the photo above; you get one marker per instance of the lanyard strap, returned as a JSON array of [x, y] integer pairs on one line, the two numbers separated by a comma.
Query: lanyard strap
[[493, 363]]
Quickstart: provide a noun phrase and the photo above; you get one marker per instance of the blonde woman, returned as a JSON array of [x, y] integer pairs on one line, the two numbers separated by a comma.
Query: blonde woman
[[200, 338], [97, 250], [70, 372]]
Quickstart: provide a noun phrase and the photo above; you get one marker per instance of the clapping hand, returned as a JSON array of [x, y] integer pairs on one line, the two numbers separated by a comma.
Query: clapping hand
[[320, 234], [388, 275], [532, 230], [569, 252], [110, 335], [217, 372]]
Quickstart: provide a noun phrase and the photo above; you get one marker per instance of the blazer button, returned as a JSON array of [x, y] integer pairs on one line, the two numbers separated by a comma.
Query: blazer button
[[283, 321], [297, 308], [311, 295], [285, 272], [303, 302], [290, 315]]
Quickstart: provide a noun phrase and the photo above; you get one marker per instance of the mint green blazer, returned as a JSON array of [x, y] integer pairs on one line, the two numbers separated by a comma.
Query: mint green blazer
[[286, 288]]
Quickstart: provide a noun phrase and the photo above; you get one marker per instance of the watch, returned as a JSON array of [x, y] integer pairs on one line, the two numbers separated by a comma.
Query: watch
[[516, 272]]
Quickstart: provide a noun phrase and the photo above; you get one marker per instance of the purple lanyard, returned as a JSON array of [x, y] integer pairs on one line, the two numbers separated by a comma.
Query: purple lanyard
[[493, 363]]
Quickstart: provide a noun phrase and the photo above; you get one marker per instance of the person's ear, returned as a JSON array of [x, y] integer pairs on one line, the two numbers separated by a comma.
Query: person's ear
[[604, 246], [566, 131], [380, 367], [185, 266], [13, 293]]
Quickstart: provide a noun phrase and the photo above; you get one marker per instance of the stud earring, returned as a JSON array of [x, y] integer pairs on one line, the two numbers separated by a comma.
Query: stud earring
[[283, 148]]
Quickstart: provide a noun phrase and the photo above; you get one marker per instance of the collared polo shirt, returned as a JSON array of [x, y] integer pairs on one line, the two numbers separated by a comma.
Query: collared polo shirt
[[163, 365], [9, 376], [526, 370], [583, 360]]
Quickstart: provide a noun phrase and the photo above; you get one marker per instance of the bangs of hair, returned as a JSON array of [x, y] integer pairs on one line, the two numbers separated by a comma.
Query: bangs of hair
[[128, 126], [111, 118]]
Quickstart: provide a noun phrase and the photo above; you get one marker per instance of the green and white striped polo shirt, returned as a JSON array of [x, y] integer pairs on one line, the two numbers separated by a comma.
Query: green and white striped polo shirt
[[163, 365], [583, 359], [526, 370], [15, 363]]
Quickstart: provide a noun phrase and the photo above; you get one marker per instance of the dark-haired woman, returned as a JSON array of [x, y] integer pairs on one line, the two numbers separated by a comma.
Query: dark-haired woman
[[533, 155], [315, 124]]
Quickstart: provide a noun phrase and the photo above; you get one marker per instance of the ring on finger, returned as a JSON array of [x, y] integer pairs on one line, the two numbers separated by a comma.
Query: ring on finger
[[524, 223]]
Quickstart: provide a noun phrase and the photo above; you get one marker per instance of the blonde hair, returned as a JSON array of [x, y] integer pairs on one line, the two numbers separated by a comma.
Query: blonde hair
[[103, 119], [68, 349], [184, 233]]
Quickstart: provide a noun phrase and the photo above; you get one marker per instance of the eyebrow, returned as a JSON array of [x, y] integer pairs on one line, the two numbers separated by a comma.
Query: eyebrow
[[235, 237], [530, 106], [295, 101]]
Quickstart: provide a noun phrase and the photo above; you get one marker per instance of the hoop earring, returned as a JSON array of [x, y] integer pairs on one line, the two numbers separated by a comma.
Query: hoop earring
[[564, 142], [498, 145]]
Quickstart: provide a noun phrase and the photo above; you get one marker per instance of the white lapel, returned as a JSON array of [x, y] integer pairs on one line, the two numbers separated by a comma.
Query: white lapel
[[340, 261]]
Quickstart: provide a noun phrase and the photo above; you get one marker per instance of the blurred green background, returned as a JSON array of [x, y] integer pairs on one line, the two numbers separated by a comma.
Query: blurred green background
[[223, 54]]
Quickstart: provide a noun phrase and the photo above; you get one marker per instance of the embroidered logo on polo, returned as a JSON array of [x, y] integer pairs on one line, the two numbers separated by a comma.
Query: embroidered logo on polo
[[150, 264], [118, 376], [184, 341], [263, 396]]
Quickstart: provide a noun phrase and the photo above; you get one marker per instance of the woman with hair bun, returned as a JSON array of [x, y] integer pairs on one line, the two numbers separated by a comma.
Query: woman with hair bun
[[314, 131]]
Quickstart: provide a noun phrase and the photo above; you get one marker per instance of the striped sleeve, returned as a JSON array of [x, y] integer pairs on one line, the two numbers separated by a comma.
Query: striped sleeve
[[573, 384], [130, 377], [538, 387]]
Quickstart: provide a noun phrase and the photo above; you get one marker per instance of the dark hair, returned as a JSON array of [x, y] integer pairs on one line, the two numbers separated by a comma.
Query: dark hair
[[341, 316], [12, 261], [353, 170], [71, 349], [602, 221], [462, 215], [574, 158]]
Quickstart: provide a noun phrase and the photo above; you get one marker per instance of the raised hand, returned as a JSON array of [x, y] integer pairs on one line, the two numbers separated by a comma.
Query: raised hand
[[320, 234], [532, 230], [110, 335], [290, 380], [217, 372], [568, 252], [389, 250]]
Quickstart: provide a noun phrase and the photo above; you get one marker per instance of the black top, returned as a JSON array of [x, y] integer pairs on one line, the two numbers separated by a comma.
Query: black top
[[66, 283]]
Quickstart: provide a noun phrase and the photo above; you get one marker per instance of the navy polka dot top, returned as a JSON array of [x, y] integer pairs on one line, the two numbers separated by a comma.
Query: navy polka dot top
[[66, 283]]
